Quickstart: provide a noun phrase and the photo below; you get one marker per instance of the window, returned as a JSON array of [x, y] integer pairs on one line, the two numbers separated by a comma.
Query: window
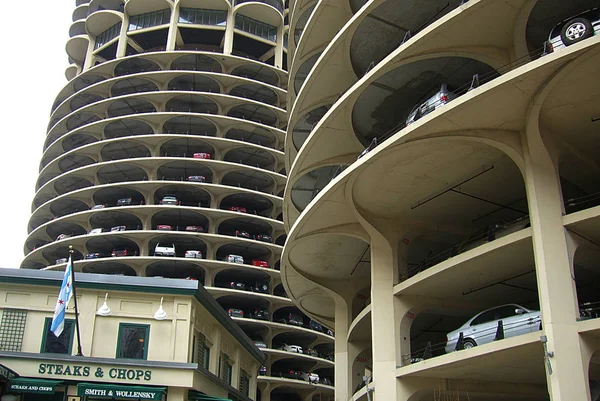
[[133, 341], [255, 27], [12, 328], [148, 20], [62, 344], [244, 383], [506, 311], [202, 351], [484, 317], [200, 16], [225, 368], [108, 35]]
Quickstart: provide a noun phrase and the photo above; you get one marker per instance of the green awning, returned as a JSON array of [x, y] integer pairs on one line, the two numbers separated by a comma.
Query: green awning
[[38, 386], [7, 373], [119, 392], [194, 395]]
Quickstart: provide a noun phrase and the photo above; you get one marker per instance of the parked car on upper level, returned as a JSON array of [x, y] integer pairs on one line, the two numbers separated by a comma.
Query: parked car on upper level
[[124, 202], [262, 371], [196, 229], [169, 200], [482, 328], [260, 263], [95, 231], [260, 314], [236, 285], [163, 249], [291, 374], [292, 318], [94, 255], [121, 252], [260, 343], [234, 259], [164, 227], [263, 237], [238, 209], [575, 29], [242, 233], [193, 254], [202, 155], [292, 348], [196, 178], [444, 95], [63, 236], [261, 287], [96, 207], [314, 325], [118, 228], [235, 312], [310, 377]]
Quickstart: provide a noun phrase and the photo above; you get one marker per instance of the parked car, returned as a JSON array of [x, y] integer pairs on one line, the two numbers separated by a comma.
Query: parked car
[[327, 381], [310, 377], [291, 374], [263, 237], [482, 328], [236, 285], [193, 254], [238, 209], [169, 200], [234, 259], [202, 155], [241, 233], [262, 371], [575, 29], [63, 236], [234, 312], [292, 348], [118, 228], [96, 207], [124, 202], [444, 95], [261, 287], [260, 314], [164, 227], [310, 351], [94, 255], [61, 260], [292, 318], [121, 252], [94, 231], [196, 178], [260, 263], [163, 249], [196, 229], [260, 344], [313, 325]]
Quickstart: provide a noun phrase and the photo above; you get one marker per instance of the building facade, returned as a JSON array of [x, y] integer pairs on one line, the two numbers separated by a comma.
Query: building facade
[[442, 162], [141, 338], [164, 158]]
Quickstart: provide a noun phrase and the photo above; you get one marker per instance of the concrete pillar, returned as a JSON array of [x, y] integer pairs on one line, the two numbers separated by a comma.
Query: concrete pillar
[[177, 394], [556, 286], [384, 262], [343, 364], [172, 36], [228, 40], [122, 44], [279, 48]]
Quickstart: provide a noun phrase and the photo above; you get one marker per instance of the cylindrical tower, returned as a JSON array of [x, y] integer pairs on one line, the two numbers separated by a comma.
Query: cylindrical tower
[[164, 158]]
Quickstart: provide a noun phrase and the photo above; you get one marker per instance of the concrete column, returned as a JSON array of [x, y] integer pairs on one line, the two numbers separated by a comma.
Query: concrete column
[[556, 286], [172, 36], [343, 364], [122, 44], [177, 394], [279, 48], [228, 40], [384, 262]]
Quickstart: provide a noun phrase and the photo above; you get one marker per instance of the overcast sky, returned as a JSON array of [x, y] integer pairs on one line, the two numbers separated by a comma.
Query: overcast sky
[[32, 67]]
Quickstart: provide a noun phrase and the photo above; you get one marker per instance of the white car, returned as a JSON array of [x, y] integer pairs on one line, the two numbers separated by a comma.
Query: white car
[[95, 231], [482, 328], [292, 348], [164, 249], [310, 377], [234, 259], [193, 254], [444, 95], [575, 29]]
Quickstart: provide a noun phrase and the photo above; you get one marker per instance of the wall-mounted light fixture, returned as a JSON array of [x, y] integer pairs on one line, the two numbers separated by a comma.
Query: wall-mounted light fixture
[[160, 313], [104, 310]]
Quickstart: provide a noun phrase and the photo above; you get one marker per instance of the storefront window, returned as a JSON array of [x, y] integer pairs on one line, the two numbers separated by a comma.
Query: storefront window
[[133, 341], [200, 16], [148, 20], [62, 344]]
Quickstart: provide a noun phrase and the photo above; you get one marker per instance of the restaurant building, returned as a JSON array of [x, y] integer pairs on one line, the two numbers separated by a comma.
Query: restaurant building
[[141, 339]]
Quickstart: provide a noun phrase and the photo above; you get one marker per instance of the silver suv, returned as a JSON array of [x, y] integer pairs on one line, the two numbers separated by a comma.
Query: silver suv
[[575, 29], [445, 94]]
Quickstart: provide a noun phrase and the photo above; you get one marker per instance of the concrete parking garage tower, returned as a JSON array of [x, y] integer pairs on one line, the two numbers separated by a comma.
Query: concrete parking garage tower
[[442, 161], [164, 158]]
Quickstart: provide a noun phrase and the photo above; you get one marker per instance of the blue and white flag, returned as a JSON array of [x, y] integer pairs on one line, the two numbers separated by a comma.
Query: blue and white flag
[[64, 296]]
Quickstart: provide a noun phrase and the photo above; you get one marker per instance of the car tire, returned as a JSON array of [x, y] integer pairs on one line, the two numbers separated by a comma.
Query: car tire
[[576, 30], [469, 343]]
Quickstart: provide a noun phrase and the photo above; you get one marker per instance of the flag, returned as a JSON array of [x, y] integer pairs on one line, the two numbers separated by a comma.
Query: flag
[[64, 296]]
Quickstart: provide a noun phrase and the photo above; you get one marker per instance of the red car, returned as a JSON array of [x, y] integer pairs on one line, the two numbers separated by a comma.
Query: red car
[[164, 227], [121, 252], [196, 229], [238, 209], [260, 263], [202, 155], [243, 234]]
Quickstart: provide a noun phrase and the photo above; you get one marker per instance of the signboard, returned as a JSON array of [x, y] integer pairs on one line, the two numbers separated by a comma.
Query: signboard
[[37, 386], [81, 370], [119, 392]]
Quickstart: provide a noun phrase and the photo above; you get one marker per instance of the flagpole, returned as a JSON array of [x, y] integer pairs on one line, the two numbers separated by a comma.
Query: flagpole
[[79, 353]]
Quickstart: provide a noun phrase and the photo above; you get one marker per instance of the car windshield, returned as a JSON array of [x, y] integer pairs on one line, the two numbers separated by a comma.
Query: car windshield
[[161, 245]]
